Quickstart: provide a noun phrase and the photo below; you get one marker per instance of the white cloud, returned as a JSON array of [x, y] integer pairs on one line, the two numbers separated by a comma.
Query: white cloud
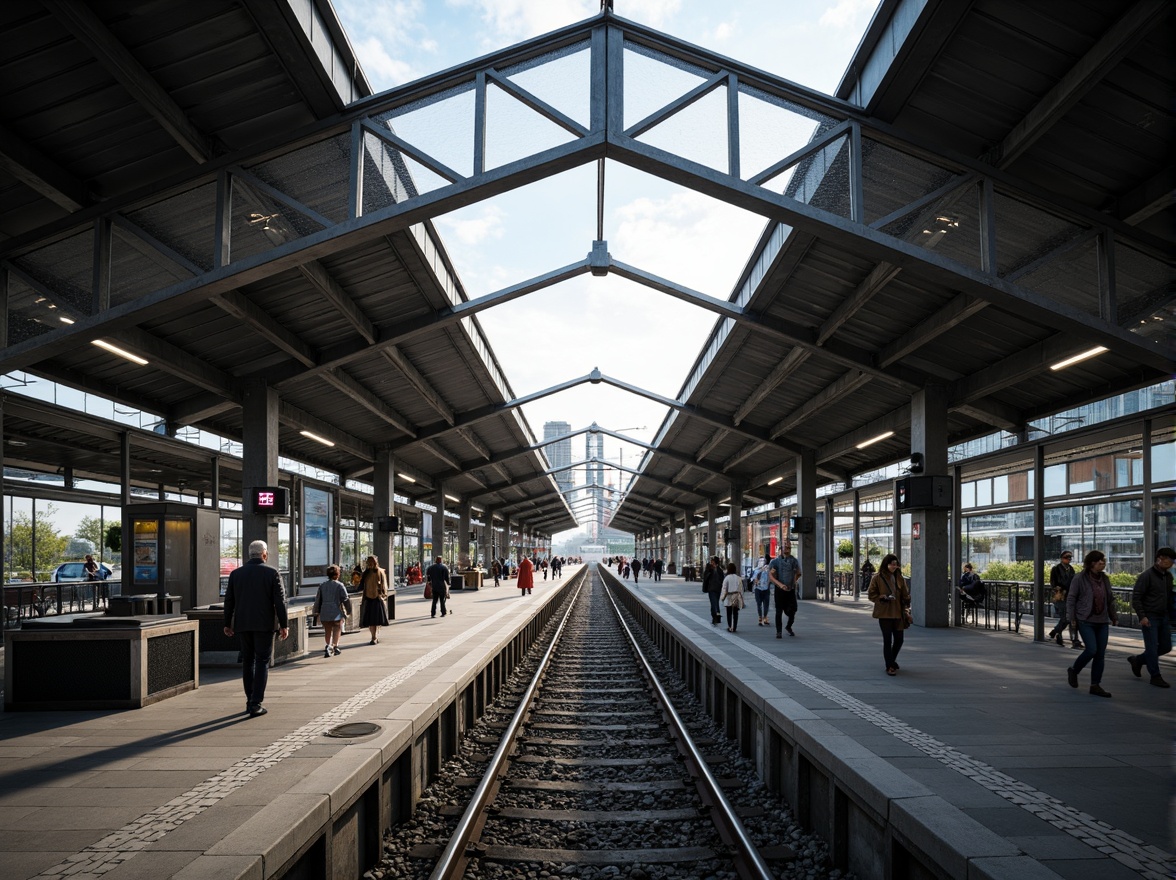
[[487, 224], [724, 31], [654, 13], [380, 66], [848, 13], [688, 238], [513, 20]]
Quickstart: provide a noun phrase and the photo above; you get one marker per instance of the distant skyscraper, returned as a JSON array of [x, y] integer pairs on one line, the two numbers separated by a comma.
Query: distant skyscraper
[[594, 447], [560, 453]]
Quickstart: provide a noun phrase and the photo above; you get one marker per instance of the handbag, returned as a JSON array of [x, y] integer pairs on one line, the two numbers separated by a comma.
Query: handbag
[[905, 620], [428, 591], [1059, 595]]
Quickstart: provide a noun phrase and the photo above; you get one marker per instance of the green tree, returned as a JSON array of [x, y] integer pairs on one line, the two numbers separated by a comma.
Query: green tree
[[50, 544], [90, 529], [845, 549], [114, 538]]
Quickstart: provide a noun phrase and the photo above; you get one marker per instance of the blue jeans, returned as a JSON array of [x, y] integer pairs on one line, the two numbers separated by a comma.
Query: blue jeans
[[256, 648], [1157, 641], [1094, 639], [716, 615], [763, 602]]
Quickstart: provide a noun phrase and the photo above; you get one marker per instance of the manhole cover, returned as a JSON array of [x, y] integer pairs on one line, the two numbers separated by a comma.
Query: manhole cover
[[354, 728]]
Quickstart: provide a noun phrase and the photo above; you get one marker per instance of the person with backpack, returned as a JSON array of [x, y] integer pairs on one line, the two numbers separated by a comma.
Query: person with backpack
[[373, 607]]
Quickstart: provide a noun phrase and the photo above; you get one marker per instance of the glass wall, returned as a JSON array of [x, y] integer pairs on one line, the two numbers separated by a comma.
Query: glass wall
[[41, 534]]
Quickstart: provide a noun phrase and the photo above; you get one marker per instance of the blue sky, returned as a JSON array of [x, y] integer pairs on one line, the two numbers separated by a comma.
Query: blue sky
[[638, 336]]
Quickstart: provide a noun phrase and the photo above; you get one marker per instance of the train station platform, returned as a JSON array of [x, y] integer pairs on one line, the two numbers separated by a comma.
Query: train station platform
[[981, 722], [191, 787], [982, 719]]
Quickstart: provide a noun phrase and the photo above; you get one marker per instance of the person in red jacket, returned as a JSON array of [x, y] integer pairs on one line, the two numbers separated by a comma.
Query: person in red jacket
[[526, 576]]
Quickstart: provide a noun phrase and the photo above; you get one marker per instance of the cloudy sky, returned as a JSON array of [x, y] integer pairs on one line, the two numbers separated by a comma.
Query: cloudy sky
[[629, 332]]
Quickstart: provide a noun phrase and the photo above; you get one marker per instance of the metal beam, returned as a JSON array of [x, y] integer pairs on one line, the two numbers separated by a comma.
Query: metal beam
[[89, 29], [1091, 68], [783, 370], [41, 174], [879, 277], [400, 360], [847, 384], [300, 420], [242, 308], [954, 313], [714, 440], [474, 441], [366, 398], [316, 273]]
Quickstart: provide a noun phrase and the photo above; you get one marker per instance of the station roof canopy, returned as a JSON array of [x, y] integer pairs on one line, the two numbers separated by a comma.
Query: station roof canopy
[[212, 188]]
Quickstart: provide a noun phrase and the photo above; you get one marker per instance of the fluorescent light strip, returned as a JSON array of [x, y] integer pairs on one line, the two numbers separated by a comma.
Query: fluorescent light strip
[[64, 320], [316, 438], [122, 353], [773, 482], [405, 477], [874, 440], [454, 500], [1081, 356]]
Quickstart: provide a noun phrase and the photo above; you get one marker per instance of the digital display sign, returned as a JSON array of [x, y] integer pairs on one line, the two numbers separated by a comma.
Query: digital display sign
[[272, 500]]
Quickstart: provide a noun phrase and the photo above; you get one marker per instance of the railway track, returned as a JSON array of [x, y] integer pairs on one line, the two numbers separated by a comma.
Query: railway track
[[596, 773]]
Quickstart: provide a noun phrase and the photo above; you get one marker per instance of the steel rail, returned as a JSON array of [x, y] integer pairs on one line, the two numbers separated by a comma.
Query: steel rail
[[455, 855], [748, 862]]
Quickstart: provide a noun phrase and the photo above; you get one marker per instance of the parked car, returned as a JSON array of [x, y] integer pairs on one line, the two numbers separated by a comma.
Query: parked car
[[68, 572]]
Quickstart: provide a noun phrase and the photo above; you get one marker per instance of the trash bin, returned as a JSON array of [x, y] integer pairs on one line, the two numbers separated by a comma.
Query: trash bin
[[391, 604], [456, 582]]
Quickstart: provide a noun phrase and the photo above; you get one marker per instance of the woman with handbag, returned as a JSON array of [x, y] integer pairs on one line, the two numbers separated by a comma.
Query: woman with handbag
[[892, 608], [331, 606], [731, 595], [1090, 602], [373, 607]]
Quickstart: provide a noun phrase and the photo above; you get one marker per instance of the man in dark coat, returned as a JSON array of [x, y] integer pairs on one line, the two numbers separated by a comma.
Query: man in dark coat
[[437, 576], [254, 600]]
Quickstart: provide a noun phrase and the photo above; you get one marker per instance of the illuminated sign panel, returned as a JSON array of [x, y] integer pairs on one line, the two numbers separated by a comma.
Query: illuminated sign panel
[[272, 500]]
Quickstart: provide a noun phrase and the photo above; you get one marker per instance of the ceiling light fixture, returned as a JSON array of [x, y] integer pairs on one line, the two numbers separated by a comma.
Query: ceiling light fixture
[[122, 353], [874, 440], [315, 437], [405, 477], [1081, 356], [454, 500], [64, 320], [773, 482]]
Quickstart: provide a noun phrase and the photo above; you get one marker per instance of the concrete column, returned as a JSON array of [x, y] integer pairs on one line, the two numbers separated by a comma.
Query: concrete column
[[505, 549], [857, 560], [712, 529], [831, 557], [688, 537], [438, 525], [1039, 532], [463, 536], [955, 551], [805, 548], [930, 591], [672, 539], [487, 538], [383, 504], [259, 463], [420, 543], [736, 527]]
